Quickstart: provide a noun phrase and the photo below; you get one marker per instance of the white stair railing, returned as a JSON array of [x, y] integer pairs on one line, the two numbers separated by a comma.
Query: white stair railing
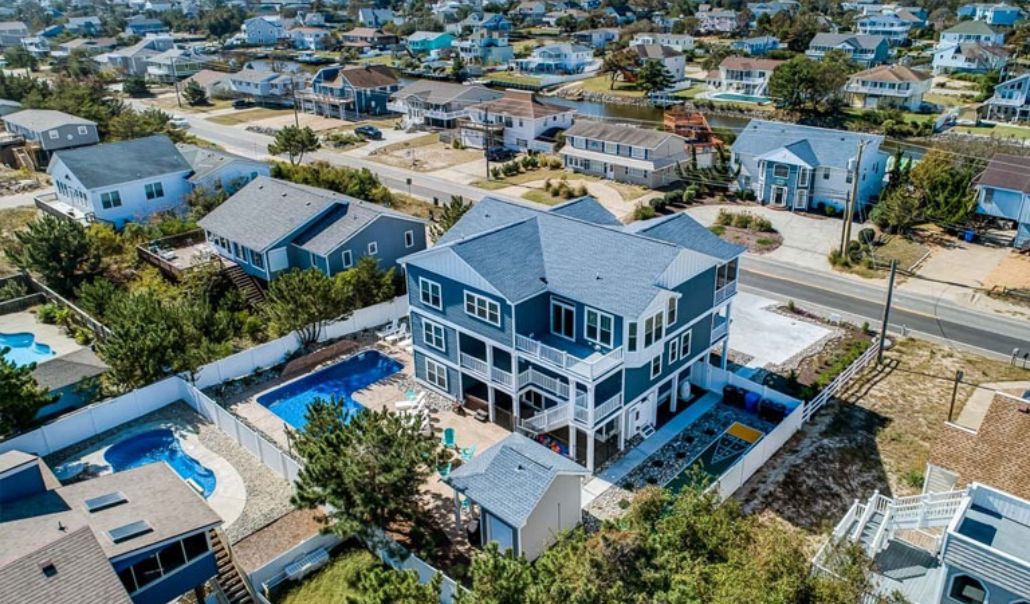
[[548, 420]]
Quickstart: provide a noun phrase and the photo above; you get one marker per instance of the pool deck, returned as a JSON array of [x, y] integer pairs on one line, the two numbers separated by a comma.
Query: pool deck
[[230, 494], [51, 335]]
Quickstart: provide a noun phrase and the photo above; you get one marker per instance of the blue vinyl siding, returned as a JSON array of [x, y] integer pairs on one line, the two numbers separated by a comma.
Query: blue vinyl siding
[[450, 339], [388, 233], [453, 384], [454, 307], [533, 316], [697, 295], [182, 580], [638, 379], [22, 484]]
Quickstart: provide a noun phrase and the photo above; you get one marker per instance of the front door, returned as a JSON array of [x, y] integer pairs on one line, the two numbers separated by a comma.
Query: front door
[[779, 196]]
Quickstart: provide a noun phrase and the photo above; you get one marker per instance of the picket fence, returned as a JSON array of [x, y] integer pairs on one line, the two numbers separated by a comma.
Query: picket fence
[[841, 380]]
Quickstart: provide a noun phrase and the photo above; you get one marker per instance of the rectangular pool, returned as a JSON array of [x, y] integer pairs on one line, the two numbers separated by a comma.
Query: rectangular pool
[[290, 401], [743, 98]]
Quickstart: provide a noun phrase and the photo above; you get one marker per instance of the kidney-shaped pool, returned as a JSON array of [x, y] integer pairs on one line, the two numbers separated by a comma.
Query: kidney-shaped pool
[[160, 445]]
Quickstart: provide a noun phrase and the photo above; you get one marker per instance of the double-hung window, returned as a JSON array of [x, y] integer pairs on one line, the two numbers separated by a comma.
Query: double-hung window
[[600, 327], [781, 171], [674, 350], [154, 190], [656, 366], [430, 294], [409, 238], [373, 248], [111, 199], [670, 317], [563, 319], [654, 329], [483, 308], [436, 374], [631, 340], [347, 258], [433, 335], [685, 344]]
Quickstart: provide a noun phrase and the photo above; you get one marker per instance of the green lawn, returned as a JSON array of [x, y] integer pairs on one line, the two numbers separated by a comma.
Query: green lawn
[[691, 92], [510, 77], [543, 197], [337, 582], [247, 115], [530, 176], [996, 131], [948, 100], [602, 85], [905, 251]]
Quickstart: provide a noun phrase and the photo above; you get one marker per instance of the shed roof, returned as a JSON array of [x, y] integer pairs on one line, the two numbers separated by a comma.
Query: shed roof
[[620, 133]]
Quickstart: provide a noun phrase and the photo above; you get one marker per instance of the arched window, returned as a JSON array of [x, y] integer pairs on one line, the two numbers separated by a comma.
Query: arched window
[[967, 590]]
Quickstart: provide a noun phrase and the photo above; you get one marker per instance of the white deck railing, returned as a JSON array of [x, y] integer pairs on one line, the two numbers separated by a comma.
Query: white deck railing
[[548, 420], [719, 329], [840, 381], [475, 365], [725, 291], [587, 369], [532, 376], [608, 407], [502, 377]]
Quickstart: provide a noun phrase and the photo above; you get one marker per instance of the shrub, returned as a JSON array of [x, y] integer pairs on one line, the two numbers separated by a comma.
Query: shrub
[[456, 144], [554, 163], [718, 229], [47, 313], [830, 211], [581, 190], [761, 224], [13, 289], [689, 195], [765, 241], [495, 172], [724, 218], [748, 195], [791, 306], [643, 212], [547, 185], [742, 220], [867, 236], [853, 251], [835, 257]]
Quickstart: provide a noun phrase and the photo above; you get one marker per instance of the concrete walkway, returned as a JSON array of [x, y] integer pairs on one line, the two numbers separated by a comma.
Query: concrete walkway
[[976, 406], [614, 473]]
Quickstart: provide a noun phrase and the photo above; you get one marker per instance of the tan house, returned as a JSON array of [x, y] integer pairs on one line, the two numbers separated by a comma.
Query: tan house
[[888, 86]]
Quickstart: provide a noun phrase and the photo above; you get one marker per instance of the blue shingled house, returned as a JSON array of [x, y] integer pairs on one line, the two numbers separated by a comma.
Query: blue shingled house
[[271, 226], [568, 325], [803, 167], [1003, 191]]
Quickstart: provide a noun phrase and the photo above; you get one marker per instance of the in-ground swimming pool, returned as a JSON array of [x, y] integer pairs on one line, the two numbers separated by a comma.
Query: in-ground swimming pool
[[736, 96], [290, 401], [160, 445], [24, 349]]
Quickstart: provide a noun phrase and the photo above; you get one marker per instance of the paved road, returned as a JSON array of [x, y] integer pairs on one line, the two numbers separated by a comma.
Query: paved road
[[935, 319], [938, 320]]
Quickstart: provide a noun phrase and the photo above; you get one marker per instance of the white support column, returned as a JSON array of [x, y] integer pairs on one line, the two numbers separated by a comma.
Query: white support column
[[573, 433], [590, 451], [490, 399], [622, 430], [675, 394]]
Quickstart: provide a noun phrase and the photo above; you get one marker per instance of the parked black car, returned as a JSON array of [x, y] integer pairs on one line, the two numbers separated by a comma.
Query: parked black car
[[242, 103], [499, 154], [369, 132]]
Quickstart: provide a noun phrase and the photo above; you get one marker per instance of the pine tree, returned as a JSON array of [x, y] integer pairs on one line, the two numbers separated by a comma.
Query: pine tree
[[449, 216], [194, 94], [294, 142], [20, 396]]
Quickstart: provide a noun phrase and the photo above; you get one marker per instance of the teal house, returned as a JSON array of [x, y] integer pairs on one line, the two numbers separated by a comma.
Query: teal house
[[427, 41]]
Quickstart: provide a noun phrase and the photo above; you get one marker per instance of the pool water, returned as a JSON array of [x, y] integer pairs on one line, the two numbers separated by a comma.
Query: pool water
[[160, 445], [743, 98], [24, 349], [290, 401]]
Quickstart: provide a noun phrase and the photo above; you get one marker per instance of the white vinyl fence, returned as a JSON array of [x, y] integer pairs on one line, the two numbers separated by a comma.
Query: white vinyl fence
[[272, 353], [426, 571], [274, 458], [94, 419], [274, 571], [841, 380]]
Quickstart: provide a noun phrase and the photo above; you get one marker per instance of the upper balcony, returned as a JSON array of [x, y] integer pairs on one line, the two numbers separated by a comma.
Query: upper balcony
[[581, 361], [868, 88]]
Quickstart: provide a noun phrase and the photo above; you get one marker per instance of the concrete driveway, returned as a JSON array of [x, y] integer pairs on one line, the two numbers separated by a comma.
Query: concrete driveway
[[22, 199], [806, 239], [390, 136], [766, 336]]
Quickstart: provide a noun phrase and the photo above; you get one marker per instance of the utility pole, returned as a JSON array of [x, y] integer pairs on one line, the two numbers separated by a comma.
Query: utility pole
[[487, 138], [293, 92], [175, 80], [954, 392], [887, 311], [849, 207]]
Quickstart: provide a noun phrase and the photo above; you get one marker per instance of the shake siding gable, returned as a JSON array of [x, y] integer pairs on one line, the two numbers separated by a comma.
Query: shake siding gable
[[453, 294]]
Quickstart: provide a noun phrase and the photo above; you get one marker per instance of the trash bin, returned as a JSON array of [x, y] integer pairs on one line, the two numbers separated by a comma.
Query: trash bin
[[751, 400], [969, 235]]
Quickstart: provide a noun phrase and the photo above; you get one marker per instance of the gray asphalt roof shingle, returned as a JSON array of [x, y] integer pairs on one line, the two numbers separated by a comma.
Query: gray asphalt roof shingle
[[69, 369], [610, 267], [684, 231], [205, 161], [824, 147], [509, 478], [619, 133], [125, 161], [39, 120], [589, 209]]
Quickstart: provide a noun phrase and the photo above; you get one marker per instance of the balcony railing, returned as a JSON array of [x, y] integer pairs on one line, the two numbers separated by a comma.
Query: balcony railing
[[548, 420], [725, 291], [587, 369], [719, 328], [590, 417], [502, 377], [883, 91], [475, 365], [534, 377]]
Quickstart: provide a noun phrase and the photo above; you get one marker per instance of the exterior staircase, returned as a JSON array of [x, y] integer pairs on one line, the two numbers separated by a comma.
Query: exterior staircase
[[231, 581], [874, 523], [248, 285], [23, 158], [551, 419]]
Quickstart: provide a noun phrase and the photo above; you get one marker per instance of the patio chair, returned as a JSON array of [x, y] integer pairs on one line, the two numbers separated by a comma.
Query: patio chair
[[443, 470], [414, 403], [468, 452], [399, 335], [389, 331], [450, 438]]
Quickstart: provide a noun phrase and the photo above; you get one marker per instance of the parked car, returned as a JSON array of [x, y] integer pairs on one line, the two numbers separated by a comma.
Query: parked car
[[178, 122], [369, 132], [242, 103], [499, 154]]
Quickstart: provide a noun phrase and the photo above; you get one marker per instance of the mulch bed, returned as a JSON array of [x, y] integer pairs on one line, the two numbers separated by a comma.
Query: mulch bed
[[756, 242]]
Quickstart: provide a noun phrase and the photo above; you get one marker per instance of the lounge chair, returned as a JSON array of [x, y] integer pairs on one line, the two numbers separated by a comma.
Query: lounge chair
[[450, 438], [399, 335], [393, 328], [414, 403], [443, 470]]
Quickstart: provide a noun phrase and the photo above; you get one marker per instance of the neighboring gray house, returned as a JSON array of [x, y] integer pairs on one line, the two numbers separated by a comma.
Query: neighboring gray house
[[271, 226], [438, 104], [8, 107], [52, 130], [12, 33], [526, 494], [624, 153], [220, 170], [864, 50]]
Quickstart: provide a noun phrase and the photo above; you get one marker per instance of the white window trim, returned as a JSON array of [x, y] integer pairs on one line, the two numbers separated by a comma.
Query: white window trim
[[674, 350], [632, 334], [347, 258], [488, 303], [658, 358], [54, 134], [600, 315], [373, 248], [409, 239], [440, 370], [777, 166], [432, 284], [567, 306], [429, 326], [804, 177], [685, 342], [671, 312]]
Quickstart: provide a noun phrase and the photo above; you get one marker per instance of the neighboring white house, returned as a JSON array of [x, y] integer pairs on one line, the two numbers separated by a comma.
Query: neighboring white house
[[261, 31], [969, 57], [518, 121], [133, 60], [680, 42], [671, 59], [266, 86], [888, 86], [971, 31], [624, 153], [1011, 100], [558, 58], [892, 27], [719, 21], [743, 75], [174, 64], [310, 38], [438, 104], [127, 181]]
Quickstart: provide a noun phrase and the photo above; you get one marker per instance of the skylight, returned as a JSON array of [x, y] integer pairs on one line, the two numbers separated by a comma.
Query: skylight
[[129, 531], [105, 501]]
